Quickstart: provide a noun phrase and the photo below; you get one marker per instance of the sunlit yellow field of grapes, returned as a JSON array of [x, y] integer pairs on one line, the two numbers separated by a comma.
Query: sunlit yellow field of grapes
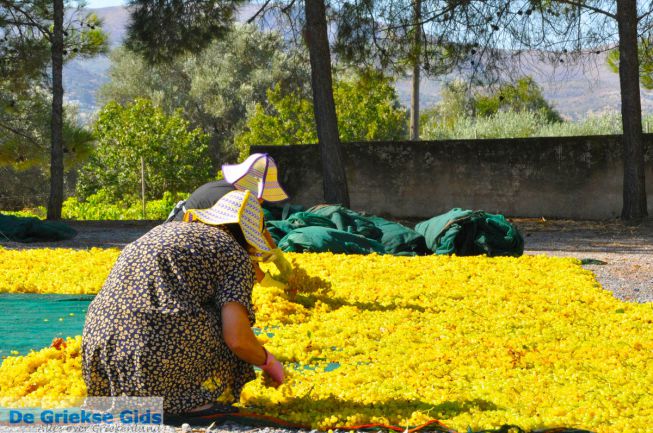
[[473, 342]]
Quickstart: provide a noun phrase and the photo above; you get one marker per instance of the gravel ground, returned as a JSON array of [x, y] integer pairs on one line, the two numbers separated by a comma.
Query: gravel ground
[[620, 256], [232, 427]]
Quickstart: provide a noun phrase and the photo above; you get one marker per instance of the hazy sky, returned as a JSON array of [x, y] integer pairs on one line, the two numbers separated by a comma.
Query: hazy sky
[[104, 3]]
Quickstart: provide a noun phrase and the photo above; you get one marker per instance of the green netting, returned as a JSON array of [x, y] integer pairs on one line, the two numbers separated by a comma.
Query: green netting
[[28, 229], [30, 321]]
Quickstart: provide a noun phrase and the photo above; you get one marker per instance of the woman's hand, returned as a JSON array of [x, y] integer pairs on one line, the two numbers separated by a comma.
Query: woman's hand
[[241, 341], [285, 268], [273, 374], [258, 272]]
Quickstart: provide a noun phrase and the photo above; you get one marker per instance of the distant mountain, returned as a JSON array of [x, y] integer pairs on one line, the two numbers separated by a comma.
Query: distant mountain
[[574, 93]]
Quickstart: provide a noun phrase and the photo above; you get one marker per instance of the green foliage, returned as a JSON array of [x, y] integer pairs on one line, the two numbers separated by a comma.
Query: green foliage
[[366, 105], [456, 103], [509, 124], [86, 40], [25, 129], [214, 87], [503, 124], [37, 212], [645, 54], [368, 108], [604, 124], [160, 31], [464, 113], [175, 157], [383, 34], [27, 30], [101, 206], [27, 82], [523, 95], [291, 122]]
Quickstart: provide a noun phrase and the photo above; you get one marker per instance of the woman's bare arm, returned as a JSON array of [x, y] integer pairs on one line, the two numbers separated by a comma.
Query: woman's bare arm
[[239, 336]]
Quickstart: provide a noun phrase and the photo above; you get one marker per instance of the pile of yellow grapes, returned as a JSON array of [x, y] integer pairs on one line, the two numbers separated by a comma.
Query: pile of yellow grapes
[[60, 270], [473, 342]]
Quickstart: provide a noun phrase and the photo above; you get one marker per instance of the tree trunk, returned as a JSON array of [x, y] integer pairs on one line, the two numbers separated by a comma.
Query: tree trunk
[[634, 193], [335, 179], [414, 99], [56, 150]]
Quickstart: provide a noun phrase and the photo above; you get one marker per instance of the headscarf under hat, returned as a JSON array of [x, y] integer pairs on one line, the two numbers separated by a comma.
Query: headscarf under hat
[[258, 174], [236, 207]]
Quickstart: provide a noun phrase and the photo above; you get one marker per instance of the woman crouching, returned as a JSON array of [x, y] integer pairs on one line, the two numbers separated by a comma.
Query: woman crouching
[[176, 311]]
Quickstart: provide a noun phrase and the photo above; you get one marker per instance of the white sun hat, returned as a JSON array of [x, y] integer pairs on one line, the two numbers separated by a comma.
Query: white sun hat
[[258, 174], [235, 207]]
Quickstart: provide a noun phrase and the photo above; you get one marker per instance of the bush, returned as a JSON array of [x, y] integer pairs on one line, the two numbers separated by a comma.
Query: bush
[[100, 207], [36, 212], [604, 124], [367, 107], [509, 124], [503, 124], [176, 157]]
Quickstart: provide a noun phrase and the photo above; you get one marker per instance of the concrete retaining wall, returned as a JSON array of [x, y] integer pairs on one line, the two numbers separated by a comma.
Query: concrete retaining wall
[[568, 177]]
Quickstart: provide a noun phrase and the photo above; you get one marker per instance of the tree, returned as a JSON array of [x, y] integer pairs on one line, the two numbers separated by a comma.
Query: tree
[[175, 157], [416, 64], [24, 121], [367, 107], [522, 95], [645, 55], [497, 35], [404, 46], [42, 25], [630, 20], [25, 143], [326, 121], [214, 87], [163, 30], [160, 31], [460, 102]]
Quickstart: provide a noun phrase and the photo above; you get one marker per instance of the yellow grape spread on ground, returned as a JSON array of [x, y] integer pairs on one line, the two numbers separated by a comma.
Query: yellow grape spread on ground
[[473, 342], [55, 270]]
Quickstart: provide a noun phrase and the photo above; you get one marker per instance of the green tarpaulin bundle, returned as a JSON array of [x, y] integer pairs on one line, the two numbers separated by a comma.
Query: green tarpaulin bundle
[[467, 233], [337, 229], [29, 229], [323, 239]]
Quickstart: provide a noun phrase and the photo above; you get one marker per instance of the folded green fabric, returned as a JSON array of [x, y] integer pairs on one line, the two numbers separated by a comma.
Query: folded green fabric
[[280, 228], [398, 239], [348, 220], [466, 233], [324, 239]]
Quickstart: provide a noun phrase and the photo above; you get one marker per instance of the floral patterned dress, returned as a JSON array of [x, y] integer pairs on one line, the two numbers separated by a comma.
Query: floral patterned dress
[[154, 329]]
